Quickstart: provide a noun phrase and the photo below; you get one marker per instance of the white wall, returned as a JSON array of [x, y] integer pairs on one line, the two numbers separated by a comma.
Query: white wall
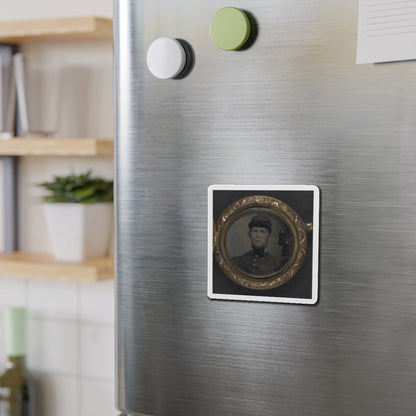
[[71, 335], [29, 9]]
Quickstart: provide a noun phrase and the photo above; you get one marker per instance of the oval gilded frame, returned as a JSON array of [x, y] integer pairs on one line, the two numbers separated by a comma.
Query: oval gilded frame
[[296, 226]]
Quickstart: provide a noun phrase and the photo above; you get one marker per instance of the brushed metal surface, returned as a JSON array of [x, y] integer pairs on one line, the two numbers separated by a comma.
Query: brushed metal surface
[[292, 109]]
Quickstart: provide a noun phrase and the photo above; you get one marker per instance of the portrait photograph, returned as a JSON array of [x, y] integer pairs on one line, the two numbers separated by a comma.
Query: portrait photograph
[[258, 242], [263, 243]]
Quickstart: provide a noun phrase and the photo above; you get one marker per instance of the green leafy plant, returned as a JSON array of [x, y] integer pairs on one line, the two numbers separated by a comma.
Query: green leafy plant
[[81, 189]]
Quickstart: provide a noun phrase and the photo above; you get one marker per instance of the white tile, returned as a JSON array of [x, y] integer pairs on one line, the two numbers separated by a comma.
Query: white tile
[[51, 299], [97, 398], [12, 291], [55, 395], [53, 346], [97, 302], [97, 351]]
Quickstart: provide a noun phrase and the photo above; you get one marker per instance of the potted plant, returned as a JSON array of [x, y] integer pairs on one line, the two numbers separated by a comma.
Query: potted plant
[[79, 216]]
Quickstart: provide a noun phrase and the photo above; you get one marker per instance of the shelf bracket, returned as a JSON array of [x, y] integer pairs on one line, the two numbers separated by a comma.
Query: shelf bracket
[[10, 203]]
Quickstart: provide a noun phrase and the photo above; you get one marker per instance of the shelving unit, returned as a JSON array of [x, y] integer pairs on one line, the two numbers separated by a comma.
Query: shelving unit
[[43, 265], [41, 30], [17, 263], [18, 146]]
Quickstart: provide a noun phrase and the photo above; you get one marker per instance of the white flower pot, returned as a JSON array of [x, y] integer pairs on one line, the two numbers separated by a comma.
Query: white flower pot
[[79, 231]]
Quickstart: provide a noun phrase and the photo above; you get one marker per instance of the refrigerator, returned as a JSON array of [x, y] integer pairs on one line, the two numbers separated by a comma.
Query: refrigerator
[[258, 119]]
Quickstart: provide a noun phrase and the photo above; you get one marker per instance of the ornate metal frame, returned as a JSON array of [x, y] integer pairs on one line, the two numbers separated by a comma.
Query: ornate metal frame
[[296, 226]]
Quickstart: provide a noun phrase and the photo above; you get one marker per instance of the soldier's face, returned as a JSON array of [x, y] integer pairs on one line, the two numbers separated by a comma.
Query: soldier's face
[[259, 237]]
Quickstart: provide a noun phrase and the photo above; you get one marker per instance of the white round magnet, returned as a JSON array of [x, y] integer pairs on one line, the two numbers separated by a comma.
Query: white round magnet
[[166, 58]]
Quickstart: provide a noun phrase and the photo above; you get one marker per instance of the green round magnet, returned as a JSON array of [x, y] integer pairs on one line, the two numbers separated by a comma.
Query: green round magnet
[[230, 28]]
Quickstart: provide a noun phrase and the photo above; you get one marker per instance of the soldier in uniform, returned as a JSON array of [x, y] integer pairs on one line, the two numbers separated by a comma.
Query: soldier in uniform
[[257, 261]]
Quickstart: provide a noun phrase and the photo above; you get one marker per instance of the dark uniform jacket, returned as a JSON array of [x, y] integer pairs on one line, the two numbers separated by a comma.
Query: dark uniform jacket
[[257, 263]]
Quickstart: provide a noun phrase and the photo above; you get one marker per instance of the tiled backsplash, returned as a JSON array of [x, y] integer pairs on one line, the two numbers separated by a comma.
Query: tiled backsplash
[[70, 343]]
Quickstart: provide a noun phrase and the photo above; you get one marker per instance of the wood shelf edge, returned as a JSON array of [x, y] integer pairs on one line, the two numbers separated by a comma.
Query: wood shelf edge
[[19, 146], [56, 29], [31, 265]]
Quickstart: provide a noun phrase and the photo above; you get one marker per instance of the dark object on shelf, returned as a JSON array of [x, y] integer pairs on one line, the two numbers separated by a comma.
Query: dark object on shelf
[[14, 391]]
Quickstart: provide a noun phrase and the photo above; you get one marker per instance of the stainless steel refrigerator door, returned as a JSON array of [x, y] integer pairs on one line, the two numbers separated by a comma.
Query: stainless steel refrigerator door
[[292, 109]]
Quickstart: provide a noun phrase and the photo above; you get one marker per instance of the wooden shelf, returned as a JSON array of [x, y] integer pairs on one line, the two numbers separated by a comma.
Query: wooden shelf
[[52, 30], [18, 146], [44, 266], [39, 30]]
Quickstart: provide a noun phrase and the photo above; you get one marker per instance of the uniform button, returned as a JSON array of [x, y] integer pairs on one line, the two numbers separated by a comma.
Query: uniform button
[[166, 58], [230, 28]]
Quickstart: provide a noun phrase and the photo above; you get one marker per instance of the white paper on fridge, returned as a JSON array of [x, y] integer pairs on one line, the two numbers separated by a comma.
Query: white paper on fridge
[[386, 31]]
